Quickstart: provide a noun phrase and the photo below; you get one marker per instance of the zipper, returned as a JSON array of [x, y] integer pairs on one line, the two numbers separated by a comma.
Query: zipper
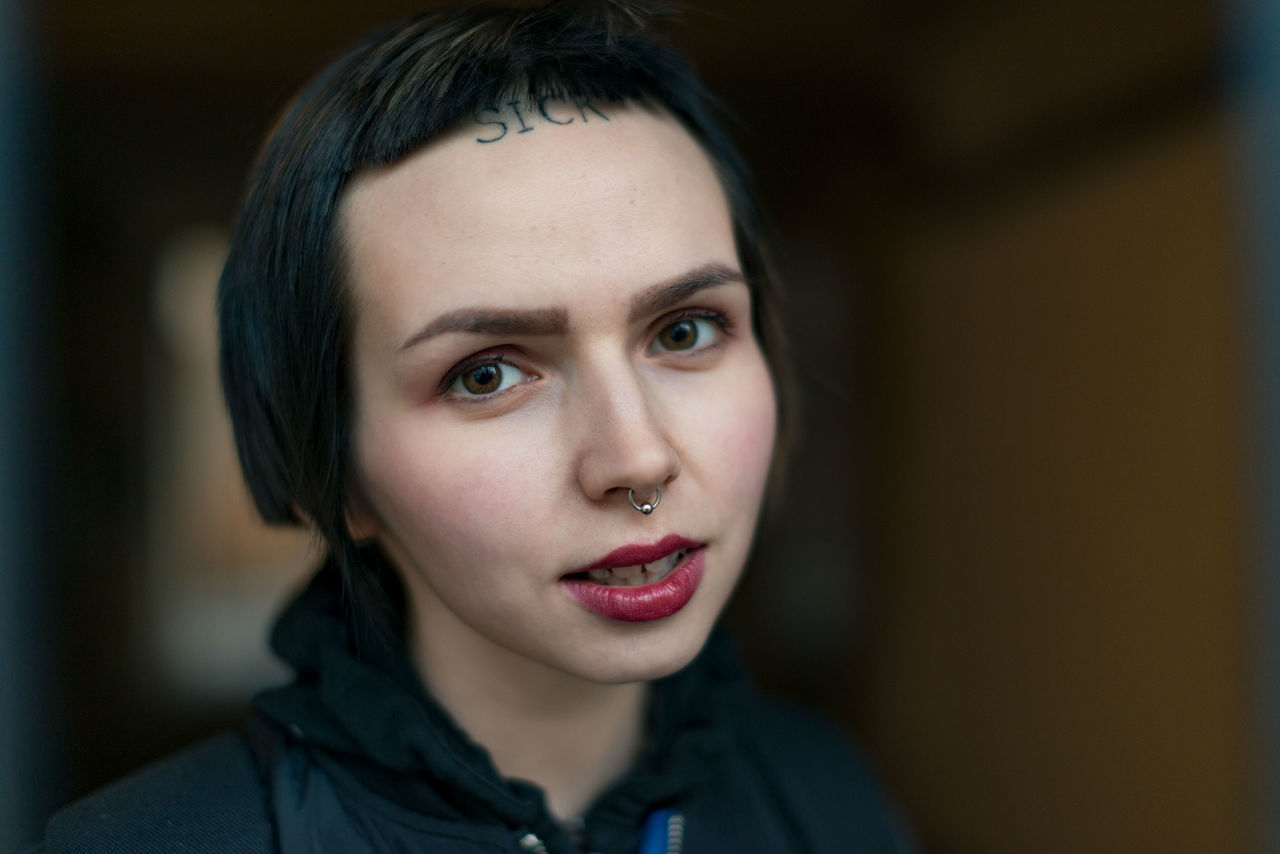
[[663, 833], [675, 833], [675, 837]]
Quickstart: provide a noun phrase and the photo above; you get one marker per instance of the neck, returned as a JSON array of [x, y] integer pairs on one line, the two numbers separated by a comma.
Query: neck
[[571, 737]]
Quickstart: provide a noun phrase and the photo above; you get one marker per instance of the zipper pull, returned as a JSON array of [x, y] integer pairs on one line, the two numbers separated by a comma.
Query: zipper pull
[[531, 843]]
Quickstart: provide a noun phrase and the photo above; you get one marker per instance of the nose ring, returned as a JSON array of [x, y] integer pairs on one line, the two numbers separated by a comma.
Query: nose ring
[[647, 507]]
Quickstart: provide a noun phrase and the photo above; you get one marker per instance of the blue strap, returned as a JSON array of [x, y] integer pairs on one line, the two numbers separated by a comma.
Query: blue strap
[[653, 838]]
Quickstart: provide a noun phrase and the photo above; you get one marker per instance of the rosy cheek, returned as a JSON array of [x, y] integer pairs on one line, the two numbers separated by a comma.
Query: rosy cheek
[[462, 486], [754, 443], [747, 427], [492, 511]]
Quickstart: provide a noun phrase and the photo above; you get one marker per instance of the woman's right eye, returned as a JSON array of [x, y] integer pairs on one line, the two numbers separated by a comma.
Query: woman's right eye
[[486, 378]]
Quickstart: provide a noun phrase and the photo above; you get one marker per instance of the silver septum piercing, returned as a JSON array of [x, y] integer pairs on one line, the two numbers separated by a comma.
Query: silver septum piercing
[[647, 507]]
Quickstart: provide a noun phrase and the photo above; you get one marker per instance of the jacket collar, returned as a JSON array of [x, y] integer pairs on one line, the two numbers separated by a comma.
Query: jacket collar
[[367, 710]]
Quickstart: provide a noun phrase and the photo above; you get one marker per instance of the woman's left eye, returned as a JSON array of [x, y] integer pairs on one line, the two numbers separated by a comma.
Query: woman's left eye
[[688, 333]]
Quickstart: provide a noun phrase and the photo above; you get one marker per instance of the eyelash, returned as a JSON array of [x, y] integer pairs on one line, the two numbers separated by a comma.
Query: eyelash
[[470, 364], [721, 321]]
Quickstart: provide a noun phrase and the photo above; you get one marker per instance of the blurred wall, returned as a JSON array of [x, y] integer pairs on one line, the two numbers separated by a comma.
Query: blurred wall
[[29, 735], [1014, 556], [1254, 68]]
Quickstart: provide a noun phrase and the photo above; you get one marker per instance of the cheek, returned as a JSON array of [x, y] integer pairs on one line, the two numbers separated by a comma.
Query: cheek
[[438, 488], [740, 432]]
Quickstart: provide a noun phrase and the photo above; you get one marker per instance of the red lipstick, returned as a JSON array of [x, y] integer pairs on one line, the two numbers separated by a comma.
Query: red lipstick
[[632, 555], [646, 602]]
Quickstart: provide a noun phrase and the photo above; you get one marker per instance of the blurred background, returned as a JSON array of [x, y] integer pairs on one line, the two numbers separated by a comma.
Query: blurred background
[[1027, 553]]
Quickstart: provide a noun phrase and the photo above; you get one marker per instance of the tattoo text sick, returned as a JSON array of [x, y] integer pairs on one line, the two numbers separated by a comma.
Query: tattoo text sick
[[525, 115]]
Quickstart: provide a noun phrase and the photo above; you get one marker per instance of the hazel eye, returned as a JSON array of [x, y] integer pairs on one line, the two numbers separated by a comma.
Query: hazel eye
[[487, 378], [687, 333]]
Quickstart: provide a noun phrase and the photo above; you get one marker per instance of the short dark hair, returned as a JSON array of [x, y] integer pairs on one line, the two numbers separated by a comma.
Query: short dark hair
[[285, 321]]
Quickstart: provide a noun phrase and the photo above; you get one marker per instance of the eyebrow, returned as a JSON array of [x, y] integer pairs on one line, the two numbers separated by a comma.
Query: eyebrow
[[674, 291], [494, 321], [555, 321]]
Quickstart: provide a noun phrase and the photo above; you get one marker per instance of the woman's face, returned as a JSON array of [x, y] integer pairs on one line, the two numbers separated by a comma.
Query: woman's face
[[543, 321]]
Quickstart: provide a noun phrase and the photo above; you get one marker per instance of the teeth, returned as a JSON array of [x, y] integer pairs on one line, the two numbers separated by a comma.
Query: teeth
[[642, 573]]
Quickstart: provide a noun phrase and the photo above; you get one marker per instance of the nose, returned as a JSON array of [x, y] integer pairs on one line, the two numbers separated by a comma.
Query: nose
[[624, 439]]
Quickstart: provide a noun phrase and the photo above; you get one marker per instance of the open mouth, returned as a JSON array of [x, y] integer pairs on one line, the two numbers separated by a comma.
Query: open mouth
[[640, 583], [636, 575]]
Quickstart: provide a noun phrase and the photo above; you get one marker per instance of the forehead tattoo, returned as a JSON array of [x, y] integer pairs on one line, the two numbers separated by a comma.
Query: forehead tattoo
[[517, 116]]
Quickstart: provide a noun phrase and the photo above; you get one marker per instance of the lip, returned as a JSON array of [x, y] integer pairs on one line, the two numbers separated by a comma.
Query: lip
[[636, 554], [643, 603]]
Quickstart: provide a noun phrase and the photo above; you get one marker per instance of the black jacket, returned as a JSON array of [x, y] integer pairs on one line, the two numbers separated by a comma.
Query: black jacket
[[355, 757]]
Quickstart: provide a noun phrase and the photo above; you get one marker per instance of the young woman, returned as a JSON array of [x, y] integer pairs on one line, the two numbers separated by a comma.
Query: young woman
[[496, 324]]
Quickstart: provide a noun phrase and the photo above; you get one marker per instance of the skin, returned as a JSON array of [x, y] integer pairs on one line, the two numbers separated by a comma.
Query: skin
[[484, 502]]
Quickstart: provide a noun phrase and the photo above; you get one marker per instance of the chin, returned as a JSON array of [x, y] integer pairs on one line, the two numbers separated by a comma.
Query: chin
[[643, 657]]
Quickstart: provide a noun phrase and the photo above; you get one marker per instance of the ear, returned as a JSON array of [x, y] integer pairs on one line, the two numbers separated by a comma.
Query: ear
[[302, 515], [362, 523]]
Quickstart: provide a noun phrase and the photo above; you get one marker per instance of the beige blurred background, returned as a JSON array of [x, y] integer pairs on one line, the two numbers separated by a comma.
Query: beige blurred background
[[1015, 559]]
